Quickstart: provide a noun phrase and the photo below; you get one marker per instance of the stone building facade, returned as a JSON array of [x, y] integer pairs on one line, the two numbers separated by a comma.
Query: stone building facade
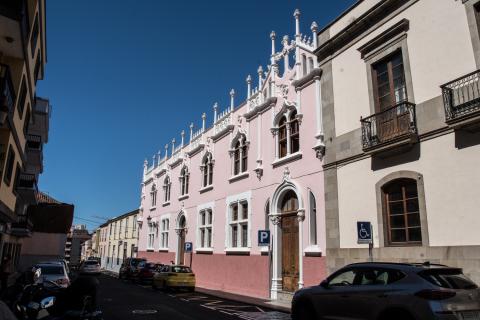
[[400, 100], [258, 167]]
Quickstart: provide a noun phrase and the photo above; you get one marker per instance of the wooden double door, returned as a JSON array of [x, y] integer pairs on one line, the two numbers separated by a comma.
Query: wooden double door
[[290, 270]]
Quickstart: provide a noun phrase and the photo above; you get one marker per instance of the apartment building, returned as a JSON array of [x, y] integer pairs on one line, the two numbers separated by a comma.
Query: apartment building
[[23, 116], [119, 240], [401, 114], [73, 248], [259, 167]]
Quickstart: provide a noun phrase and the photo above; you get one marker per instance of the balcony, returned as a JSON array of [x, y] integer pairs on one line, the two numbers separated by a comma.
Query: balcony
[[461, 98], [390, 130], [22, 228], [34, 153], [14, 22], [27, 187], [7, 93], [40, 125]]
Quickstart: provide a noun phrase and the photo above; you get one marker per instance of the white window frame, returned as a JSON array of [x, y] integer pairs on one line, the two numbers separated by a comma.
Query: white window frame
[[230, 202], [204, 208], [151, 236], [153, 196], [167, 190], [164, 232], [207, 165], [244, 144]]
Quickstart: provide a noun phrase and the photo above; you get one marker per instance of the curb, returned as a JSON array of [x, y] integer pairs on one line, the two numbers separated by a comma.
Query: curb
[[245, 299]]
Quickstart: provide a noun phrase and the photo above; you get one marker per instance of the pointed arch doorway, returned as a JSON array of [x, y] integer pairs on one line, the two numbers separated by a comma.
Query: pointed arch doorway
[[289, 241]]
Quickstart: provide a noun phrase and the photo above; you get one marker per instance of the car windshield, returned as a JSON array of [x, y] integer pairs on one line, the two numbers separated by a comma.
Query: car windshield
[[179, 269], [448, 278], [151, 266], [52, 269], [91, 263]]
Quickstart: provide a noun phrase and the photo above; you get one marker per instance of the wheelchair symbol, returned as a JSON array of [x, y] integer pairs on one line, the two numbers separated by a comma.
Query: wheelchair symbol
[[363, 233]]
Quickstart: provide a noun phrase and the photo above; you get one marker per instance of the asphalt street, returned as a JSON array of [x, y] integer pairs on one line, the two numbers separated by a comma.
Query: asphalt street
[[122, 299]]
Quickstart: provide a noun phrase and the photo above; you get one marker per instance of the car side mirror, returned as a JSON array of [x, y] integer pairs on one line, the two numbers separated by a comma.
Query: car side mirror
[[324, 284]]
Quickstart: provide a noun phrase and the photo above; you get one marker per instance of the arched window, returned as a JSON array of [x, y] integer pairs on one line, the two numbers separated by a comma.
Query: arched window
[[282, 137], [310, 64], [304, 65], [184, 176], [294, 133], [153, 195], [207, 170], [313, 220], [166, 189], [240, 156], [401, 212]]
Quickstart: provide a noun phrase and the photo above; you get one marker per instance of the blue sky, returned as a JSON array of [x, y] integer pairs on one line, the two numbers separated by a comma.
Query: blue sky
[[124, 77]]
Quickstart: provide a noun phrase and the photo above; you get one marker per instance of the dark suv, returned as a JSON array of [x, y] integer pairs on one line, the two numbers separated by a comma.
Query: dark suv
[[129, 267], [390, 291]]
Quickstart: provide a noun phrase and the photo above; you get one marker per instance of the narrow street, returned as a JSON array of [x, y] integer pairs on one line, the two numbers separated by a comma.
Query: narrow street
[[127, 300]]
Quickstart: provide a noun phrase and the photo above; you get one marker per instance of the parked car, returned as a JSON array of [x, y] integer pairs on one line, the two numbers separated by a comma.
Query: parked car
[[53, 272], [390, 291], [90, 267], [174, 277], [58, 261], [128, 267], [145, 271]]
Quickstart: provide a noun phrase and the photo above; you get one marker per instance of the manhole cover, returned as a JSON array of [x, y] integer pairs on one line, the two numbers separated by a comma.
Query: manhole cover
[[144, 311]]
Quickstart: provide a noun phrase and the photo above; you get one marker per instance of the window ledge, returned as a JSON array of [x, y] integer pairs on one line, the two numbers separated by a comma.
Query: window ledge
[[288, 158], [239, 176], [206, 188], [153, 208], [163, 250], [237, 251], [185, 196], [204, 250], [313, 251], [166, 204], [150, 250]]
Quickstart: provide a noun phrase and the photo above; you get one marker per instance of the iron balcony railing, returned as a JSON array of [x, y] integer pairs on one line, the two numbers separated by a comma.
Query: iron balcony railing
[[461, 96], [7, 92], [389, 125]]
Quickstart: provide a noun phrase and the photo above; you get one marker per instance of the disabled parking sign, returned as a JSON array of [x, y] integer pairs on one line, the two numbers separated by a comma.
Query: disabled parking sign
[[364, 232]]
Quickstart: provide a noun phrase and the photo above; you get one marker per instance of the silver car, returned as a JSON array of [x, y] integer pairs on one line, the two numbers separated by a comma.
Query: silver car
[[90, 267], [390, 291], [53, 274]]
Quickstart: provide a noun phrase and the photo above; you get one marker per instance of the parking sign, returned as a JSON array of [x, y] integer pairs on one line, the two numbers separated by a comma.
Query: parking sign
[[364, 232], [263, 238], [188, 247]]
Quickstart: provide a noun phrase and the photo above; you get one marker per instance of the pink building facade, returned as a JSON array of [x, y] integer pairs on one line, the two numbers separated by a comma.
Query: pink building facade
[[258, 167]]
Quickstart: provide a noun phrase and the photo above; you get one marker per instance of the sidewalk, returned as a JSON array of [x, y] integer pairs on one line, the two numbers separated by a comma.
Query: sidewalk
[[274, 305]]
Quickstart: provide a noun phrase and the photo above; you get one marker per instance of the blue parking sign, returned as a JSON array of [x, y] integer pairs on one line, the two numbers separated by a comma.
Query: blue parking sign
[[263, 238], [364, 232], [188, 247]]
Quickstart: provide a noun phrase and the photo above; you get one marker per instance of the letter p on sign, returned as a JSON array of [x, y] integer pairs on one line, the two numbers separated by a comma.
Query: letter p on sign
[[263, 238]]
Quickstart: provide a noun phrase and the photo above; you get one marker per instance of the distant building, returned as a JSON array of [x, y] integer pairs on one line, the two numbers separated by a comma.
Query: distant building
[[118, 240], [51, 221], [76, 237], [86, 250]]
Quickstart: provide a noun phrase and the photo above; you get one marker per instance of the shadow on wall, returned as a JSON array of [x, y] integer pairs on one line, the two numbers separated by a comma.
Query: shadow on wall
[[403, 156], [465, 139]]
